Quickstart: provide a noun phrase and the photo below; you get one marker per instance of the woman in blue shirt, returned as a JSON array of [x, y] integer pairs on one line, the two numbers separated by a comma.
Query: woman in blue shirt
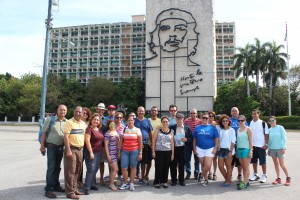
[[277, 147], [205, 145]]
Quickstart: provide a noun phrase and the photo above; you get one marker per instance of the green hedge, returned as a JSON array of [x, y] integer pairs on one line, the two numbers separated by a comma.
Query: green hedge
[[288, 122]]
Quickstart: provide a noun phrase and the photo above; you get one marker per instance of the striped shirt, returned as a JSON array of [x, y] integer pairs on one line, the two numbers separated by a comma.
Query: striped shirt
[[76, 130], [192, 123], [130, 138]]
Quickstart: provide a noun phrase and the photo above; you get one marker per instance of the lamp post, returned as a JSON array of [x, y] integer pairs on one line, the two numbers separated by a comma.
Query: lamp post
[[45, 66]]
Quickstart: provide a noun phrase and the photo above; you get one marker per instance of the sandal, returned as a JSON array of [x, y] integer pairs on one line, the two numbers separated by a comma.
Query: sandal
[[118, 183], [215, 177], [102, 182], [209, 176], [113, 187]]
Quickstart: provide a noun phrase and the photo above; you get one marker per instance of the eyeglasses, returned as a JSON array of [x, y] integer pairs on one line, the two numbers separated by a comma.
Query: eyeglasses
[[241, 120], [225, 121], [271, 121], [193, 113], [211, 116], [85, 113], [165, 121], [205, 118], [119, 117]]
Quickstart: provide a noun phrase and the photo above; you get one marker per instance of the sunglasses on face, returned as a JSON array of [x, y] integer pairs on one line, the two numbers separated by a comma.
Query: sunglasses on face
[[241, 120], [211, 116], [112, 125], [119, 117], [225, 121], [193, 113], [271, 121], [205, 118], [85, 113], [165, 121]]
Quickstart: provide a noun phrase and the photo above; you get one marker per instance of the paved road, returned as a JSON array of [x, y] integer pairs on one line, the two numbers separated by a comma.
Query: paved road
[[22, 175]]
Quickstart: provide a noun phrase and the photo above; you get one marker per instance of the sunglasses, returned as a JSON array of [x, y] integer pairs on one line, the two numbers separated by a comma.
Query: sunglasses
[[225, 121], [193, 113], [119, 117], [165, 121], [172, 110], [112, 125], [204, 117], [211, 116], [241, 120], [271, 121]]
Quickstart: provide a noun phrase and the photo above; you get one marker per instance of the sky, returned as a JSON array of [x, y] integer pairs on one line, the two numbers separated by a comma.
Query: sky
[[22, 25]]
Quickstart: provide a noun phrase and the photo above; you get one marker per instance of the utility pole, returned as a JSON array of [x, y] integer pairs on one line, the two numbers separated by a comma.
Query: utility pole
[[288, 68], [45, 66]]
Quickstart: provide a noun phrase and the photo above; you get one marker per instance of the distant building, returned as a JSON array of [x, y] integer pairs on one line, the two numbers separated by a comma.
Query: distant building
[[225, 50], [117, 50]]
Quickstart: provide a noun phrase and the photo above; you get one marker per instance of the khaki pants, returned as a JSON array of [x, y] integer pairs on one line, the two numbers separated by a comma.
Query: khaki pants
[[72, 168]]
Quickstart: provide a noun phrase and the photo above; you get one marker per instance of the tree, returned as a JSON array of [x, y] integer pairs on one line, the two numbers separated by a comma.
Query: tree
[[131, 92], [29, 100], [235, 95], [260, 61], [99, 90], [243, 63], [275, 68]]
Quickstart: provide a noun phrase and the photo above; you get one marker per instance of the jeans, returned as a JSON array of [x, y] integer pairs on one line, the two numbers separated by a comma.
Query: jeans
[[54, 158], [187, 156], [92, 167]]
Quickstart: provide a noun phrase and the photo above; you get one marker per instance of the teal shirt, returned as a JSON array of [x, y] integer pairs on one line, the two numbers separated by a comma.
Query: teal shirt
[[277, 137], [242, 140]]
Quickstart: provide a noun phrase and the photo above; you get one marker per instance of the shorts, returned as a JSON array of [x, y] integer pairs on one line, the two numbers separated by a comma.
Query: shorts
[[243, 153], [147, 154], [223, 153], [129, 158], [205, 152], [235, 160], [276, 153], [258, 153]]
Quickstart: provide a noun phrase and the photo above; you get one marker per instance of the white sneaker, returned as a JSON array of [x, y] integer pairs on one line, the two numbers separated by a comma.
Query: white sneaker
[[124, 186], [131, 187], [263, 178], [254, 177]]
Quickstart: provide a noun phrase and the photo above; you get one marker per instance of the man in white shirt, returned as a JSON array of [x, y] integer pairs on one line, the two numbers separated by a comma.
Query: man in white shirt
[[260, 145]]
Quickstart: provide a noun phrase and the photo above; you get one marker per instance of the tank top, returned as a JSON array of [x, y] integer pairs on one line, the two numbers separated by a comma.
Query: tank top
[[242, 139], [163, 141]]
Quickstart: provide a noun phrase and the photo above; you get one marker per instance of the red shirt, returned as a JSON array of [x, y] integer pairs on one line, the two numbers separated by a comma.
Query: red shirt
[[192, 123], [96, 140], [130, 139]]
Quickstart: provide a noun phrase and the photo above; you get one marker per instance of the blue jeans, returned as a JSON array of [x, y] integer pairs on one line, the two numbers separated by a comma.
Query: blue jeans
[[54, 158], [92, 167], [187, 156]]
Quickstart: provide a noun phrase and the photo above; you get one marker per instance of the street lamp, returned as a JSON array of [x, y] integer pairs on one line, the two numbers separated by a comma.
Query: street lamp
[[45, 65]]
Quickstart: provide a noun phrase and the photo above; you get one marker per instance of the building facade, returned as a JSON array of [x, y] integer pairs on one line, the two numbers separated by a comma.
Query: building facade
[[115, 51], [225, 50]]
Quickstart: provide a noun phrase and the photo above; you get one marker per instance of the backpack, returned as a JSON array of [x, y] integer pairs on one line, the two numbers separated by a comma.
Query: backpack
[[264, 125], [51, 124]]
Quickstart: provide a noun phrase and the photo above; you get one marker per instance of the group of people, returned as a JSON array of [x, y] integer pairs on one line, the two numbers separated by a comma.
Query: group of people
[[130, 147]]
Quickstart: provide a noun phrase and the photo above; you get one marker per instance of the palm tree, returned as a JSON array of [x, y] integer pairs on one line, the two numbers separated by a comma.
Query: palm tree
[[243, 63], [260, 61], [276, 66]]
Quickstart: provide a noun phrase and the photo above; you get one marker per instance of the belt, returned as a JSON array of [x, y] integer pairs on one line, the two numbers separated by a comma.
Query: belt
[[54, 145], [76, 148]]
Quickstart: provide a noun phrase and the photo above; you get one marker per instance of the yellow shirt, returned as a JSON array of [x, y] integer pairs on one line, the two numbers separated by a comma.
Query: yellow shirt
[[154, 123], [76, 130]]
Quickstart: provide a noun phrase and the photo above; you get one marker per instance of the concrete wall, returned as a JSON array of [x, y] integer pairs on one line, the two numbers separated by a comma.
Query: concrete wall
[[180, 54]]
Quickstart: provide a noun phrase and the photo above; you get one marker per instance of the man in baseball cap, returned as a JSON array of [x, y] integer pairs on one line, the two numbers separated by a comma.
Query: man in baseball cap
[[111, 110]]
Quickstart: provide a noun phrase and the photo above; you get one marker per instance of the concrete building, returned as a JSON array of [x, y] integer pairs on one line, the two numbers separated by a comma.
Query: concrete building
[[225, 50], [112, 51], [118, 50]]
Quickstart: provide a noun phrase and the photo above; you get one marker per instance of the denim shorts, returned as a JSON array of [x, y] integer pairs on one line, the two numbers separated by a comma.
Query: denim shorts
[[129, 158], [223, 153], [243, 153], [276, 153]]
